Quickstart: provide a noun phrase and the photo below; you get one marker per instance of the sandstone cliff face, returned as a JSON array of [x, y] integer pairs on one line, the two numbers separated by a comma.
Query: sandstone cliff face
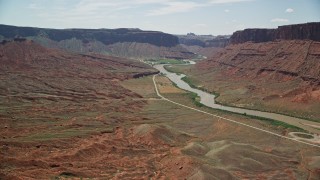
[[254, 35], [299, 31], [104, 41], [106, 36], [290, 32]]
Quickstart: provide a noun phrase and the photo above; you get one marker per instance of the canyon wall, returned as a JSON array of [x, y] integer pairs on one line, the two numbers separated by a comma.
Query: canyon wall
[[147, 44], [310, 31], [106, 36]]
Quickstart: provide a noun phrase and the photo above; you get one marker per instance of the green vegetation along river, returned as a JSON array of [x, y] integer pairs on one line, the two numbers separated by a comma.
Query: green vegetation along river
[[208, 100]]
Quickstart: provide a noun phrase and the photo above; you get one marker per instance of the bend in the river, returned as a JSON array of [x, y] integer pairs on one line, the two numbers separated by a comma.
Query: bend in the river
[[207, 99]]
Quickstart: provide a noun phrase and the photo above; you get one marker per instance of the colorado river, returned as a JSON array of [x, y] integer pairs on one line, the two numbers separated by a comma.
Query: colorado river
[[208, 100]]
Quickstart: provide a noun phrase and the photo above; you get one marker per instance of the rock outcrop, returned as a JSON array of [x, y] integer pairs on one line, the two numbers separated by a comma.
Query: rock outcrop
[[308, 31]]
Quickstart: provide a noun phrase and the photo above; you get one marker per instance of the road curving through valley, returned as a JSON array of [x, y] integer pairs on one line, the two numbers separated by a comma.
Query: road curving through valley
[[299, 140]]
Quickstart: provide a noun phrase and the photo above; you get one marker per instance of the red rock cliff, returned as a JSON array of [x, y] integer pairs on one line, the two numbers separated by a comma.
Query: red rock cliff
[[309, 31]]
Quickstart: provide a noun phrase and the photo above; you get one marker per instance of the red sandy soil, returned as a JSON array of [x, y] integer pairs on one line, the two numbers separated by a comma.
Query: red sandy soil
[[60, 112], [66, 115]]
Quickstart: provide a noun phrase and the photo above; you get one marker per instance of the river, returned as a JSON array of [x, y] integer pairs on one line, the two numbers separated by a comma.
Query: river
[[208, 100]]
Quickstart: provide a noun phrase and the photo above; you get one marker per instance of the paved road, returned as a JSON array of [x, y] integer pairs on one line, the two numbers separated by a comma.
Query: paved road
[[230, 120]]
